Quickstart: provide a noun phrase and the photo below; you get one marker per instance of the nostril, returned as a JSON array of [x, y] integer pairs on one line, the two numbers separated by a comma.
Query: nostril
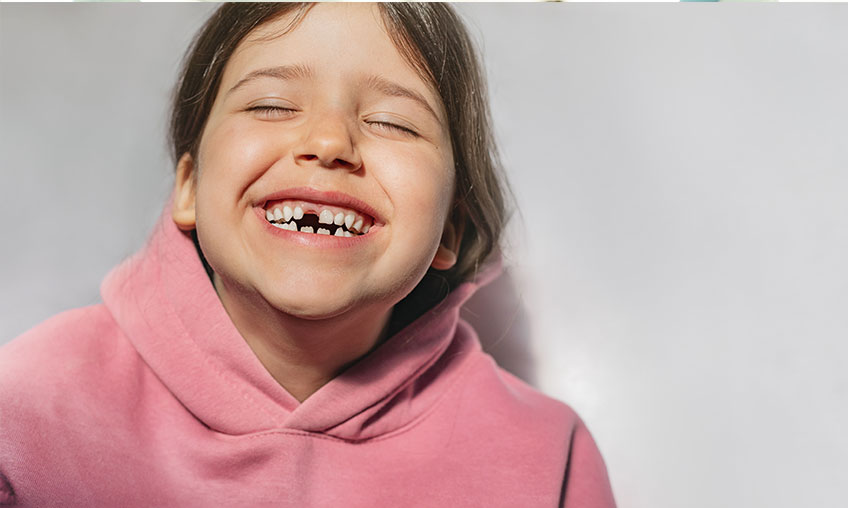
[[343, 163], [336, 162]]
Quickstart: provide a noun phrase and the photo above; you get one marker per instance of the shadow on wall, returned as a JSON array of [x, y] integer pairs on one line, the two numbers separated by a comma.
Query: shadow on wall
[[497, 313]]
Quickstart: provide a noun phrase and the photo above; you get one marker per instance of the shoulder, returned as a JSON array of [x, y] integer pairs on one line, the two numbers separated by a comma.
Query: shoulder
[[58, 346], [514, 399], [543, 430], [64, 385], [57, 368]]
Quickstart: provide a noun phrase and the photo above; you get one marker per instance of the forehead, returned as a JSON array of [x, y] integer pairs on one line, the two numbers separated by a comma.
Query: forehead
[[331, 40]]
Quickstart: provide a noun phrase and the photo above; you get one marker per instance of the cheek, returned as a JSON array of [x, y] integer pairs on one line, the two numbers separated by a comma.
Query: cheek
[[418, 183], [428, 207], [239, 151], [430, 199]]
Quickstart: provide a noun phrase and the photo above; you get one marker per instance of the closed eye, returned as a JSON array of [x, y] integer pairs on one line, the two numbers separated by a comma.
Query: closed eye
[[270, 111], [394, 127]]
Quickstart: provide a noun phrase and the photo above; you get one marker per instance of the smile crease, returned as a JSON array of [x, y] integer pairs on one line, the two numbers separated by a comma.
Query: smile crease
[[306, 218]]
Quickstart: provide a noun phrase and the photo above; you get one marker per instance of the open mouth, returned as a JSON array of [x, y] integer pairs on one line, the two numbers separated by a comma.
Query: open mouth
[[307, 217]]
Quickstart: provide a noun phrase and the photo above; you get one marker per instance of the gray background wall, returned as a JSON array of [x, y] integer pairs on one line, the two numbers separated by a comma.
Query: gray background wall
[[681, 172]]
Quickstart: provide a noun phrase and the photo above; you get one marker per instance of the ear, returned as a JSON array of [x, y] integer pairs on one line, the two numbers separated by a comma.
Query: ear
[[448, 250], [185, 190]]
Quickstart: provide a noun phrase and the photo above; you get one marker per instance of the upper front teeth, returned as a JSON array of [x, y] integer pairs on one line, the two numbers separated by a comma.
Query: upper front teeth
[[340, 222], [326, 217]]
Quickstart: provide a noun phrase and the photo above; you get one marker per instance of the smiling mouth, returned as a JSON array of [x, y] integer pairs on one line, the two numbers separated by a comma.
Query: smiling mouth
[[314, 218]]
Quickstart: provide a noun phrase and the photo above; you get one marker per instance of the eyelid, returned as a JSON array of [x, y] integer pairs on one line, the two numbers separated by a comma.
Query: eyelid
[[270, 112], [271, 102], [395, 127], [269, 107], [392, 122]]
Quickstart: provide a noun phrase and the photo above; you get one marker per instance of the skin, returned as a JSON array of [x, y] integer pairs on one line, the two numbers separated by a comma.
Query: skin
[[308, 312]]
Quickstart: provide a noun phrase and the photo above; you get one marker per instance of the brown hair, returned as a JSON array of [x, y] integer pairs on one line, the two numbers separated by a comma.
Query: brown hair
[[435, 42]]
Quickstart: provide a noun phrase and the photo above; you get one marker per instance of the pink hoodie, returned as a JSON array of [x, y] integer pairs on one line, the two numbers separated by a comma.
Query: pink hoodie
[[153, 399]]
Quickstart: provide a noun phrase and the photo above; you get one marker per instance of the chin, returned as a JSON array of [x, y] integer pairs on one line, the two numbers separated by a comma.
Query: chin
[[305, 310], [311, 301]]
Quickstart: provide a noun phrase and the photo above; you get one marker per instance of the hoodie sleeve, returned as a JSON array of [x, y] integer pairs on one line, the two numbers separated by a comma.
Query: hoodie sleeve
[[586, 483]]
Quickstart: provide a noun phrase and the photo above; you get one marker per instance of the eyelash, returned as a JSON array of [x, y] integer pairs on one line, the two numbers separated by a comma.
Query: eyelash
[[269, 110], [394, 127]]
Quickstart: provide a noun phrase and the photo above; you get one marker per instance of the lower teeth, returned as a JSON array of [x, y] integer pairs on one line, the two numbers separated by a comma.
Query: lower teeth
[[292, 226]]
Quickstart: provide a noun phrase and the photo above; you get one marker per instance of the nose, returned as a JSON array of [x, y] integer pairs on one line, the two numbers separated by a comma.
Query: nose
[[328, 140]]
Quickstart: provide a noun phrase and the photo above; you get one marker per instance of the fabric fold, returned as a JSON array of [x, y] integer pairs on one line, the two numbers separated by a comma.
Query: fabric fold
[[164, 301], [153, 398]]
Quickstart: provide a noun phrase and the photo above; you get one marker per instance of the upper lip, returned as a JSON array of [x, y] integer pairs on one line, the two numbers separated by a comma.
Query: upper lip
[[335, 198]]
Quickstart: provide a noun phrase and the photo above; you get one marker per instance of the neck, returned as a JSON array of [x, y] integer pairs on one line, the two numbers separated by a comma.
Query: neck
[[302, 355]]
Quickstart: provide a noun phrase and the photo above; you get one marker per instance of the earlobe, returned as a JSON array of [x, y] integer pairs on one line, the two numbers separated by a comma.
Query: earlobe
[[444, 258], [185, 188], [446, 255]]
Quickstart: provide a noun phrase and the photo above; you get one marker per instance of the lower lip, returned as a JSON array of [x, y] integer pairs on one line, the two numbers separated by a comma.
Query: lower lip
[[314, 239]]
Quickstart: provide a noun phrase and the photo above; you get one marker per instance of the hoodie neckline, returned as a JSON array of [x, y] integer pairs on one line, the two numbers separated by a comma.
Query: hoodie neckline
[[164, 302]]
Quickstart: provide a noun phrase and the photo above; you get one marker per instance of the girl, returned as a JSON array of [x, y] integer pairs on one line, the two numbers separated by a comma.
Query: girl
[[290, 335]]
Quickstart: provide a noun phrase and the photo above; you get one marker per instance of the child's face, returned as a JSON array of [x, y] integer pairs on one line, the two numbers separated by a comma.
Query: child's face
[[311, 110]]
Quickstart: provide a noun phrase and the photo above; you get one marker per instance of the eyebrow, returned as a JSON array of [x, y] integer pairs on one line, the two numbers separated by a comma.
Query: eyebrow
[[283, 72], [378, 83], [393, 89]]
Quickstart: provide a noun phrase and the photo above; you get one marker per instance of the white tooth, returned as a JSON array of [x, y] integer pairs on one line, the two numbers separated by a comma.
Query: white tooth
[[358, 224], [339, 232], [291, 226], [287, 213], [281, 226], [278, 214], [298, 213], [348, 234], [338, 220], [323, 231], [326, 217], [269, 215], [349, 218], [306, 229], [366, 228]]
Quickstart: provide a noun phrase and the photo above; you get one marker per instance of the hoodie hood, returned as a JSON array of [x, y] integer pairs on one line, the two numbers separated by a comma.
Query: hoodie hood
[[163, 301]]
